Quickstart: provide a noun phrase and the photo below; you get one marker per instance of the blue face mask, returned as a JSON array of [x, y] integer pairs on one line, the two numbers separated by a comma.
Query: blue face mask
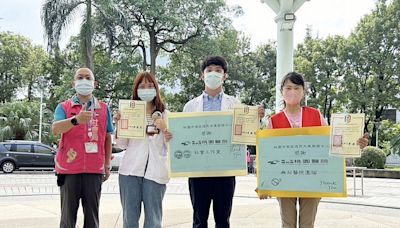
[[84, 87], [213, 79], [147, 94]]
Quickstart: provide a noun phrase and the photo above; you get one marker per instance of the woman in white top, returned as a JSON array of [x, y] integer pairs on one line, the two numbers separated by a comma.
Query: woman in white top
[[143, 173]]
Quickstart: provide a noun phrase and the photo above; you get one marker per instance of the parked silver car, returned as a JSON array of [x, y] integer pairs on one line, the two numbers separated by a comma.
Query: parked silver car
[[116, 157]]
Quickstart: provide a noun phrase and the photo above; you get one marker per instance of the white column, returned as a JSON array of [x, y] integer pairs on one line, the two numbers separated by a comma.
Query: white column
[[284, 57], [285, 19]]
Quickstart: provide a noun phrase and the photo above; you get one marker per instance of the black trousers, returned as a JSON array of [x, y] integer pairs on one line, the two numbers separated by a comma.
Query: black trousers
[[85, 187], [220, 191]]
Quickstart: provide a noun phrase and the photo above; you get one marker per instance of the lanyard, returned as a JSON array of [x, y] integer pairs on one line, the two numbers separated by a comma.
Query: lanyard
[[92, 125]]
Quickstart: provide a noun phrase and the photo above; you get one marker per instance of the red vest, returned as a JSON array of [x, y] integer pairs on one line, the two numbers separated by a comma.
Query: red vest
[[310, 118], [71, 157]]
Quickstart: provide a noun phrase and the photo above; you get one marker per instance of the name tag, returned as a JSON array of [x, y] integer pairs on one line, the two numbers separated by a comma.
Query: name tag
[[91, 147]]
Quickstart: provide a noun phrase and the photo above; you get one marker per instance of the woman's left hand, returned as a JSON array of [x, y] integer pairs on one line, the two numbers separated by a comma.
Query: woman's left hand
[[160, 124], [363, 142], [167, 135], [261, 111]]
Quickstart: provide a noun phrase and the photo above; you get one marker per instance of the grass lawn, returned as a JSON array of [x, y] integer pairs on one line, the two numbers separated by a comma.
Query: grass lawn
[[393, 168]]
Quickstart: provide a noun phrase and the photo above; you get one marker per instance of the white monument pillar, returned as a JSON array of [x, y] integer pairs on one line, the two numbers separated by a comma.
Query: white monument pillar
[[285, 19]]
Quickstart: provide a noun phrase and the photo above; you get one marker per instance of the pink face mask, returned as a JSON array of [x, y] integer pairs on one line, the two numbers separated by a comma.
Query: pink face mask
[[292, 97]]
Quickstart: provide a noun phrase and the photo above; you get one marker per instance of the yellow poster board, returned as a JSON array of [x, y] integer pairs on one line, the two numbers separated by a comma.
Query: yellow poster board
[[295, 162]]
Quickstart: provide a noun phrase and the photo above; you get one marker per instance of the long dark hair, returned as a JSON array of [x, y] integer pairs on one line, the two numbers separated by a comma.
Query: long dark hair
[[157, 101], [294, 77]]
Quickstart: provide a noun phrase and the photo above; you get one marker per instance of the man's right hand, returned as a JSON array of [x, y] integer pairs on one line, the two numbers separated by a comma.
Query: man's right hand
[[116, 115], [84, 116]]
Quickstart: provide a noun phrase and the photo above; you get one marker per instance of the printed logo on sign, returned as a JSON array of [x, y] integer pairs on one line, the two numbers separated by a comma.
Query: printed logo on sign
[[187, 154], [178, 154], [276, 181], [132, 104], [347, 119], [246, 109]]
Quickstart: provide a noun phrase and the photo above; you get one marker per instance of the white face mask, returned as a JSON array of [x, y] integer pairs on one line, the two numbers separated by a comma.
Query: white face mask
[[147, 94], [84, 87], [213, 79]]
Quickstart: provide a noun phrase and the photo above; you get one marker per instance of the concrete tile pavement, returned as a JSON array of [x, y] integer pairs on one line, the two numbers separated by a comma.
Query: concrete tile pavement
[[380, 207], [247, 212]]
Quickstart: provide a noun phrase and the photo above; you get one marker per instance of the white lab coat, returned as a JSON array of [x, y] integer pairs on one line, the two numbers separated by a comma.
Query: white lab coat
[[196, 104], [145, 157]]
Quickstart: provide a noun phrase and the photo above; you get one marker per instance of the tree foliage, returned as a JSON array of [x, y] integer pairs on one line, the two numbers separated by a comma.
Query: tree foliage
[[14, 56], [167, 25], [372, 81], [251, 73], [319, 60], [20, 121]]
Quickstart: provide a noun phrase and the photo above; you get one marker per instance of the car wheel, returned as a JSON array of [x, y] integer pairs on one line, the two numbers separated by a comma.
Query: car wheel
[[8, 167]]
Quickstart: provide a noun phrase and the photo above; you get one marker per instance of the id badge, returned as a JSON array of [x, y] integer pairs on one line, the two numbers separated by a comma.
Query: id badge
[[91, 147]]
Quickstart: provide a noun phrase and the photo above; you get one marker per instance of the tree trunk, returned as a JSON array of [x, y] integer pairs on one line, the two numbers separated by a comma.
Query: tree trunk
[[153, 52], [328, 114], [30, 91], [87, 37], [144, 63]]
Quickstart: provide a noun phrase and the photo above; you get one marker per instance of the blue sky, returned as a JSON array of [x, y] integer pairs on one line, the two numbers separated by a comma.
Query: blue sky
[[327, 17]]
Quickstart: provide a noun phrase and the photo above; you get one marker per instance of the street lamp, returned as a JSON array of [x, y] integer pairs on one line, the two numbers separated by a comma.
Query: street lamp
[[41, 82], [285, 18]]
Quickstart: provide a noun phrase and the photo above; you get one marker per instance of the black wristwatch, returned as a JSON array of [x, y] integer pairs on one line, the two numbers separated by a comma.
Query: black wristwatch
[[74, 121]]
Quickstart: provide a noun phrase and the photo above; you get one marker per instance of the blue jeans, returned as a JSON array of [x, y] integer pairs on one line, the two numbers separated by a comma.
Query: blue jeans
[[135, 190]]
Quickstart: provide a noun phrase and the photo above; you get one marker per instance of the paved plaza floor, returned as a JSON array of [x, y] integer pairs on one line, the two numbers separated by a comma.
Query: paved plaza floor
[[32, 200]]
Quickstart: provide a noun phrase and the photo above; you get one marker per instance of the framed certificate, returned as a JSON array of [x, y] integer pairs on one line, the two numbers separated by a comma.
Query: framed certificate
[[202, 145], [346, 130], [295, 162], [245, 124], [133, 119]]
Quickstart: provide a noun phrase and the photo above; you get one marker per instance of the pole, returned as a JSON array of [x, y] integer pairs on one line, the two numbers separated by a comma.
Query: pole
[[285, 19], [40, 116], [284, 58]]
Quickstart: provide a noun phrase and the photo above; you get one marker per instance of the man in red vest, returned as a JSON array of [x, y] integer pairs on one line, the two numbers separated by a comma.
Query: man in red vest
[[83, 158]]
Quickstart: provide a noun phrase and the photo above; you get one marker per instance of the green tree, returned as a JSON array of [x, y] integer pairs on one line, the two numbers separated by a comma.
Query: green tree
[[14, 55], [20, 121], [372, 80], [319, 60], [388, 134], [58, 14], [168, 24], [34, 70], [251, 74], [259, 80], [54, 70], [396, 144], [114, 73]]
